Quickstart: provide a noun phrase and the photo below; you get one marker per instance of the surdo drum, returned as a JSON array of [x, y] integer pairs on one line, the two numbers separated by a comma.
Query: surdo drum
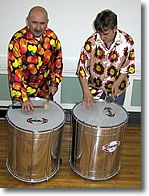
[[97, 139], [34, 141]]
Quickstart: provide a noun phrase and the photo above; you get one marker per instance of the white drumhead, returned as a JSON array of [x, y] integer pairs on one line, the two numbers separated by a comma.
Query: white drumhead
[[101, 114], [40, 119]]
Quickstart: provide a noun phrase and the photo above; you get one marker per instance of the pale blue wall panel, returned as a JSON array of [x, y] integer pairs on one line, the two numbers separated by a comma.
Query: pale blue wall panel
[[4, 89], [136, 93], [71, 91]]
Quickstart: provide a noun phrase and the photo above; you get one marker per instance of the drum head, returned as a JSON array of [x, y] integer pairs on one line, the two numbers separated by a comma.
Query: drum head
[[101, 114], [40, 119]]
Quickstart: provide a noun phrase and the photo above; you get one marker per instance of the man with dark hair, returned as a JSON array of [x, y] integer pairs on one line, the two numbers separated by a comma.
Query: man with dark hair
[[34, 60], [106, 60]]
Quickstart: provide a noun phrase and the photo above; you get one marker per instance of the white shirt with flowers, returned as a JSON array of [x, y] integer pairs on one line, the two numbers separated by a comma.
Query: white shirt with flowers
[[102, 66]]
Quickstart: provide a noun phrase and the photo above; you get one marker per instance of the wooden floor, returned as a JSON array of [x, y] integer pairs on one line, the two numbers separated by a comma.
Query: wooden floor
[[129, 175]]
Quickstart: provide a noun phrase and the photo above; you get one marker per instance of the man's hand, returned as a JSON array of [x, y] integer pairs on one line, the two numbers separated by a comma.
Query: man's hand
[[117, 83], [52, 90], [27, 107], [115, 88], [88, 99]]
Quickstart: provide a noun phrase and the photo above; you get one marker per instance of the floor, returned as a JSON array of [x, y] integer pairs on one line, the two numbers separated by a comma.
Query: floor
[[129, 175]]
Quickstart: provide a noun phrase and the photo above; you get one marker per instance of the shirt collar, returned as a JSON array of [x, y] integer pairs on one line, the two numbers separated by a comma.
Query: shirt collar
[[117, 39], [41, 37]]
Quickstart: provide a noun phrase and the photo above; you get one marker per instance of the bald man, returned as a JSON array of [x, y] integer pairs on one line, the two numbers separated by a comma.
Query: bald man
[[37, 21], [34, 60]]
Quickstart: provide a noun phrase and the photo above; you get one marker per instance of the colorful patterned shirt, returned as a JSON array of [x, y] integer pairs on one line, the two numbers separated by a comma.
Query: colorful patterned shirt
[[33, 65], [102, 66]]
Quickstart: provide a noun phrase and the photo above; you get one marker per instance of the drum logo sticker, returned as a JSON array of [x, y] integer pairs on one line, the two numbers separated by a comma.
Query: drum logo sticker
[[111, 147], [37, 120]]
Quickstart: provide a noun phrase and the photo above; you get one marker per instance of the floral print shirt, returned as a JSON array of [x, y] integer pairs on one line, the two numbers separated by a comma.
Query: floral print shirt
[[33, 65], [102, 66]]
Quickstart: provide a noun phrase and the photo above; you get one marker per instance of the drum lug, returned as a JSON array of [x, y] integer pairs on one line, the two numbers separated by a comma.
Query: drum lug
[[59, 161]]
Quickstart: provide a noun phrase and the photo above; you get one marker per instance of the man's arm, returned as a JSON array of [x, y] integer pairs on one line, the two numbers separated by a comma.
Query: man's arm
[[87, 96], [117, 83]]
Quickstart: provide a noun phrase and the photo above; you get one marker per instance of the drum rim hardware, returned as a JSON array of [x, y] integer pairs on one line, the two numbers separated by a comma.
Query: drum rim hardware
[[97, 127]]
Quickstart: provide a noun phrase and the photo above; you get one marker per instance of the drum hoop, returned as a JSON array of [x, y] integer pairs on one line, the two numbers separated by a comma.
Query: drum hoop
[[97, 127], [34, 131], [38, 98]]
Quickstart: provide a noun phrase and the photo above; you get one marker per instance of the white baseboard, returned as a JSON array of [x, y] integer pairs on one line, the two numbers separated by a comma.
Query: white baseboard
[[4, 103]]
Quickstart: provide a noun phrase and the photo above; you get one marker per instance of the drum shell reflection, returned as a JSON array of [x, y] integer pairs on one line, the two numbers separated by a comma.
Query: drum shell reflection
[[34, 155], [96, 151]]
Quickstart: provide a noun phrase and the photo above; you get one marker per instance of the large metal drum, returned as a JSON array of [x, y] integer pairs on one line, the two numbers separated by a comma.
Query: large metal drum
[[97, 139], [34, 141]]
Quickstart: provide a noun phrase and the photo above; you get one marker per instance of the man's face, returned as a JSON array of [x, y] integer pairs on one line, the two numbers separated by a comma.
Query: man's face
[[37, 22], [108, 36]]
